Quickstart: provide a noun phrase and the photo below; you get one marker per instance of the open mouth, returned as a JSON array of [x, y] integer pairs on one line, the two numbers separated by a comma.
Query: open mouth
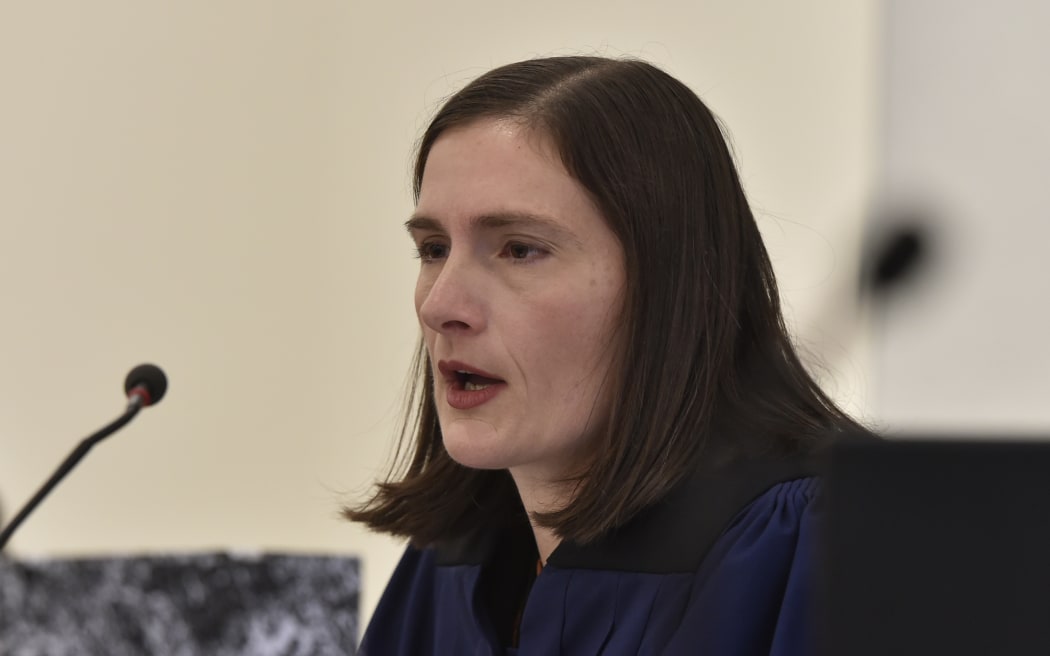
[[472, 382], [468, 387]]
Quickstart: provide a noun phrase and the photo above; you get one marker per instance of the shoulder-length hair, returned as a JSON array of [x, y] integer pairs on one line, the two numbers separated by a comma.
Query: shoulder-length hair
[[707, 371]]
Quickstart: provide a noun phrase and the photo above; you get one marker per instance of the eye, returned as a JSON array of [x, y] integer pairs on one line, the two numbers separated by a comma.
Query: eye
[[521, 252], [429, 251]]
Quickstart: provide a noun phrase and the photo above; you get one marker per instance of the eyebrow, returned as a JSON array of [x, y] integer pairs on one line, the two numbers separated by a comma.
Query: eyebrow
[[498, 220]]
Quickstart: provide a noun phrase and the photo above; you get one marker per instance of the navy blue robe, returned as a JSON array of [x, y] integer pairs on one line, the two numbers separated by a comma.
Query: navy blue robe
[[722, 567]]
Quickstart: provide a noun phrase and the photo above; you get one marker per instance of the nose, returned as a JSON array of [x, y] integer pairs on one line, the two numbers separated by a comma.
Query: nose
[[450, 297]]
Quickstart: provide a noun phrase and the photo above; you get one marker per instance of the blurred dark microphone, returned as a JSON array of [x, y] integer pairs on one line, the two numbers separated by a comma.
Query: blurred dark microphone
[[894, 259], [144, 386]]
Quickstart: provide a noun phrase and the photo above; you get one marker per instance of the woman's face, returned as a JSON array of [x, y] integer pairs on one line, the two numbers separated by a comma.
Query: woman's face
[[519, 294]]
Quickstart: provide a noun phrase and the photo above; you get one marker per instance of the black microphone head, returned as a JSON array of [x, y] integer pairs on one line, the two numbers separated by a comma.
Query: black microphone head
[[151, 379], [898, 259]]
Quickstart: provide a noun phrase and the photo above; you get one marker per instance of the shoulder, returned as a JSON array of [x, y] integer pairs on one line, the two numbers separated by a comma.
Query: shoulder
[[424, 609], [408, 594], [753, 593], [735, 581], [677, 534], [774, 533]]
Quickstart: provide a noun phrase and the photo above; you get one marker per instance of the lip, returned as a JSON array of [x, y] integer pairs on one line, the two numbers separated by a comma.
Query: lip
[[462, 399]]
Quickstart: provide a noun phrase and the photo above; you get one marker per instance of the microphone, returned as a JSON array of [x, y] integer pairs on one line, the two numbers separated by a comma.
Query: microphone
[[145, 385]]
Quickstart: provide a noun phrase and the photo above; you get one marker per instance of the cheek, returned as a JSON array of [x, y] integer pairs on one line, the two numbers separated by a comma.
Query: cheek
[[570, 340]]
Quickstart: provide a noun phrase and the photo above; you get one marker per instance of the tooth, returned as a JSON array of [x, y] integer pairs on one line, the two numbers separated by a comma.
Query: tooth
[[471, 386]]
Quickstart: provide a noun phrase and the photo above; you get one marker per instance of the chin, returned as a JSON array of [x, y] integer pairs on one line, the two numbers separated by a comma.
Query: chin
[[475, 458], [475, 445]]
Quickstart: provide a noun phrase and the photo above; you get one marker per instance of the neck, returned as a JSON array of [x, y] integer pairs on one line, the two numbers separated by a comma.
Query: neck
[[541, 496], [546, 542]]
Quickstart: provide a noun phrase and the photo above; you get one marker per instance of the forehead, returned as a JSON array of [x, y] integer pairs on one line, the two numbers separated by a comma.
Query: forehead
[[498, 167]]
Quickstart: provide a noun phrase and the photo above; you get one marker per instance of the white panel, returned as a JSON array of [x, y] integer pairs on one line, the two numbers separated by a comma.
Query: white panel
[[968, 144]]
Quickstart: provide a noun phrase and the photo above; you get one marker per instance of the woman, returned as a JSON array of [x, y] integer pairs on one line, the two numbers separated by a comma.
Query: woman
[[609, 449]]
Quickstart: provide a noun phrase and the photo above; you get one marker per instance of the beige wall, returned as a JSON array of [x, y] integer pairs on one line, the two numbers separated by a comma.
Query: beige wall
[[219, 188]]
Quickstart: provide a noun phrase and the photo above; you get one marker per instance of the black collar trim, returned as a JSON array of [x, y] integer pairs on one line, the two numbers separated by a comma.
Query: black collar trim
[[672, 536], [676, 534]]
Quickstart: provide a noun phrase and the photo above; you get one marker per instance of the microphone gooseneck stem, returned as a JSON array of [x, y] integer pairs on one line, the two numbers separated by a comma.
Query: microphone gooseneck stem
[[135, 403]]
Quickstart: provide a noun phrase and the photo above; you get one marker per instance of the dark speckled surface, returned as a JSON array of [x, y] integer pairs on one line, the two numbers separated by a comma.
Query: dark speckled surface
[[213, 604]]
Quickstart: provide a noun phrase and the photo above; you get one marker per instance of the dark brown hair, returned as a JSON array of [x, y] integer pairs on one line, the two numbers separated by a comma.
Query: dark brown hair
[[707, 371]]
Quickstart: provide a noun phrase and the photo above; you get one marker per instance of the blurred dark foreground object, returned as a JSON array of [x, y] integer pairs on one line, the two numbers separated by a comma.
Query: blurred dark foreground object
[[895, 257], [213, 604], [937, 547]]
